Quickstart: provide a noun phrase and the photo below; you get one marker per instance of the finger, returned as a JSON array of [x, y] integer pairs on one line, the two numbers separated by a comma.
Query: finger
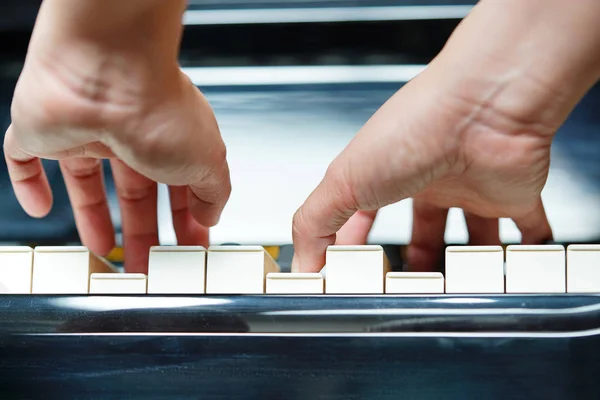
[[356, 230], [534, 225], [138, 202], [189, 232], [28, 178], [482, 231], [315, 224], [84, 180], [392, 158], [427, 241], [208, 197]]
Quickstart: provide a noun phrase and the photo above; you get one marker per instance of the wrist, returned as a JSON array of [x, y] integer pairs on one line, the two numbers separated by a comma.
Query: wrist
[[524, 64], [135, 29], [97, 53]]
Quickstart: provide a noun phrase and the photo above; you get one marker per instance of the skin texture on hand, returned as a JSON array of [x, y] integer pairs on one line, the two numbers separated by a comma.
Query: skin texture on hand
[[473, 131], [101, 80]]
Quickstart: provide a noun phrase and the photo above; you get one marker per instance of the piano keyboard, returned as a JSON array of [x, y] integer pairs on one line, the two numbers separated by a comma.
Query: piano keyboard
[[349, 270], [183, 329]]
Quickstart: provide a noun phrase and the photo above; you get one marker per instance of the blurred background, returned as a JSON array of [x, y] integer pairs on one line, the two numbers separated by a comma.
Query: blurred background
[[291, 82]]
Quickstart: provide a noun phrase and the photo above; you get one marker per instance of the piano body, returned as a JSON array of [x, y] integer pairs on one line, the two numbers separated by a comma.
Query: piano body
[[300, 347], [290, 82]]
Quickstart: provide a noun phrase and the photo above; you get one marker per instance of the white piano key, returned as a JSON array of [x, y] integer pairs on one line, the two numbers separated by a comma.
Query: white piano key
[[116, 283], [177, 269], [65, 270], [535, 269], [474, 269], [238, 269], [16, 268], [295, 283], [414, 283], [583, 268], [356, 270]]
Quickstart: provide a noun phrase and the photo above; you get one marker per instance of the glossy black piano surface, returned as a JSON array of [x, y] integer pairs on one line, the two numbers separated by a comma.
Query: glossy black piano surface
[[321, 347]]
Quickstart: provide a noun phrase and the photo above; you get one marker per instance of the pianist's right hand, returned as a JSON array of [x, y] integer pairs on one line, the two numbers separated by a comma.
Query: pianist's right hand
[[101, 80], [473, 131]]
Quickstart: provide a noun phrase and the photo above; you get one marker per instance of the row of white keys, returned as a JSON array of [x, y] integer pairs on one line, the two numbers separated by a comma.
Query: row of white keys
[[349, 270], [529, 269], [194, 270], [218, 270], [366, 270], [252, 270], [76, 270], [49, 270]]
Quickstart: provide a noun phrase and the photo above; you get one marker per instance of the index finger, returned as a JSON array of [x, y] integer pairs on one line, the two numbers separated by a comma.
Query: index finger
[[316, 223]]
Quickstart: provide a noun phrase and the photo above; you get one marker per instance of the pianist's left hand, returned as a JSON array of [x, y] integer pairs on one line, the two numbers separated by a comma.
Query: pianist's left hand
[[101, 80]]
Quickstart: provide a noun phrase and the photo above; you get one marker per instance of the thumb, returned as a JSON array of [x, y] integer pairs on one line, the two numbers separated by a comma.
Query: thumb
[[392, 158]]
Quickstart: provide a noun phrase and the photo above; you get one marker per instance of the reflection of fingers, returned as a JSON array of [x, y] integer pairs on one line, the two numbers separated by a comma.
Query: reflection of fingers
[[482, 231], [189, 232], [534, 225], [138, 202], [427, 242], [28, 178], [356, 230], [85, 184]]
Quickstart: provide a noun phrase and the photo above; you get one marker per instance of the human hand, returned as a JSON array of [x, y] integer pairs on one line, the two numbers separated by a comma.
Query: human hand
[[473, 131], [102, 82]]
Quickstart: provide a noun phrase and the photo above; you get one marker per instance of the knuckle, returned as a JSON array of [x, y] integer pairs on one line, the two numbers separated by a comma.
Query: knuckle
[[352, 189], [214, 189], [218, 156], [339, 179], [327, 208], [82, 168], [226, 191], [299, 224], [220, 184], [149, 147], [135, 194]]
